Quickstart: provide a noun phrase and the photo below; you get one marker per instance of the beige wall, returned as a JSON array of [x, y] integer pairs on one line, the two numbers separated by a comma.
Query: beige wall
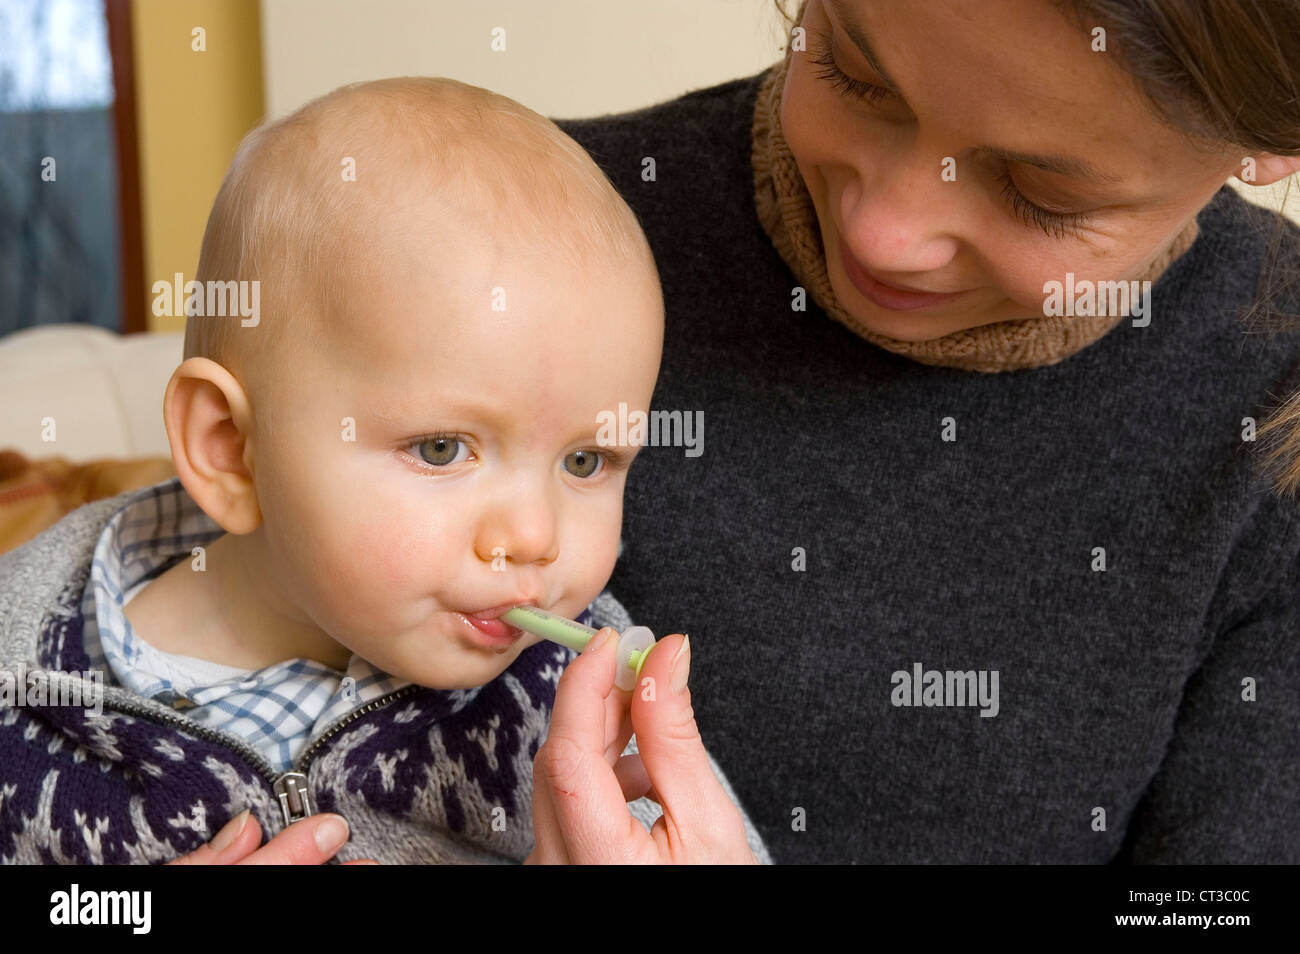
[[1276, 196], [562, 58]]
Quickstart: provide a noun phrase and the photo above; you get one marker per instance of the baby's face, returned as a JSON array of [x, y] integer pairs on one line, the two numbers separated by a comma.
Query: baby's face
[[436, 455]]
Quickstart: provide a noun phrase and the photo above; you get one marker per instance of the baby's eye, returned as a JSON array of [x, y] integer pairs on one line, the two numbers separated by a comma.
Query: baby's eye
[[583, 463], [441, 451]]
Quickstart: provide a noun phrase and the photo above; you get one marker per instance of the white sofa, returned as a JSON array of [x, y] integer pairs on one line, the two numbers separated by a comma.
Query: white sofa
[[103, 390]]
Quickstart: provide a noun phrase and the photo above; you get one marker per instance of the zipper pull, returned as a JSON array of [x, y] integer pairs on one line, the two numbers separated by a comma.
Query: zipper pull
[[295, 802]]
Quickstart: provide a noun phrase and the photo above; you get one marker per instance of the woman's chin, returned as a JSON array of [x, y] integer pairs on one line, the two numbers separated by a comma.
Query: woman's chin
[[904, 327]]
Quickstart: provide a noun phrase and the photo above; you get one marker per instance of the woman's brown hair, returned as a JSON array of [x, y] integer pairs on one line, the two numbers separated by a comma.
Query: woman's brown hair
[[1224, 73]]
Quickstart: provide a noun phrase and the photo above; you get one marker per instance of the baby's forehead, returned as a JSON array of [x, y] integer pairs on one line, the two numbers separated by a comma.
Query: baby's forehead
[[440, 277], [393, 190], [521, 330], [559, 349]]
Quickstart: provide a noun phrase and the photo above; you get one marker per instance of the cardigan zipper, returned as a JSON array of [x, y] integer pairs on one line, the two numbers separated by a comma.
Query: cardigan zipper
[[290, 787]]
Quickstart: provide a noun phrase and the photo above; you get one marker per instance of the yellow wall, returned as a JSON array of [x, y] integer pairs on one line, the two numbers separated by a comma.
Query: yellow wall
[[192, 110]]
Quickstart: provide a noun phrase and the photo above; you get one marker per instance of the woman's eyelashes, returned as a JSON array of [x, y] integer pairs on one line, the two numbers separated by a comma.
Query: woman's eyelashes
[[841, 81], [1055, 224], [443, 450]]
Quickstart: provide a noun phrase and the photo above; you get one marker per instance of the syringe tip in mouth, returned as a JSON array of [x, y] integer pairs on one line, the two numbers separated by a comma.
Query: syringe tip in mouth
[[557, 629]]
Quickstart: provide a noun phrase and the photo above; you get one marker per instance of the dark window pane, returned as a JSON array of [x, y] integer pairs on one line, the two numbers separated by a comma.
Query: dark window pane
[[58, 239]]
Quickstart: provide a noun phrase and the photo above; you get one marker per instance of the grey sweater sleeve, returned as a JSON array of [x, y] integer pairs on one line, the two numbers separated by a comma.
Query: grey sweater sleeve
[[1228, 789], [607, 611]]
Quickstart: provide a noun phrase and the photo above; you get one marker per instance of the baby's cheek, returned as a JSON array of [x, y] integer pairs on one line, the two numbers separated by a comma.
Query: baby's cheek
[[600, 553], [390, 558], [339, 561]]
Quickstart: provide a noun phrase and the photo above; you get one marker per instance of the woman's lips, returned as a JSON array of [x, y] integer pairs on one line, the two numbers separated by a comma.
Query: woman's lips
[[887, 296]]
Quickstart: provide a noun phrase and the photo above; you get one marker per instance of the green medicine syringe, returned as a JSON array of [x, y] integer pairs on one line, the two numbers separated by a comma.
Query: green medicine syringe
[[633, 646]]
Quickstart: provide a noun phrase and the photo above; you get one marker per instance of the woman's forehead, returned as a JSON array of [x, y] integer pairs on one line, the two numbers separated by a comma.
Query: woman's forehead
[[1018, 81]]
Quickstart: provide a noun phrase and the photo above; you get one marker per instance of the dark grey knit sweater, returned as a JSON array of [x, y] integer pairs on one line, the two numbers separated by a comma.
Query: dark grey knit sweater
[[1124, 728]]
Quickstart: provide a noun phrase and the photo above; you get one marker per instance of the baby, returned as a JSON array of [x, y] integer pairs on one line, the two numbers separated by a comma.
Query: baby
[[400, 445]]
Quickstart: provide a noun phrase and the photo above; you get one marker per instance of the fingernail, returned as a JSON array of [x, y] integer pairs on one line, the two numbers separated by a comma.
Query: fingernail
[[681, 665], [331, 834], [597, 642], [230, 831]]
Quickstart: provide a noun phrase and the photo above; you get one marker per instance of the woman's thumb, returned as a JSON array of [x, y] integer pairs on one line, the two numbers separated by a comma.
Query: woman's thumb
[[667, 736]]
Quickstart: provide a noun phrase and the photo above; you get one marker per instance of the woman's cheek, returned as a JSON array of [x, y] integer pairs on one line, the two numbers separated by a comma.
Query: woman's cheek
[[1026, 288], [1026, 291], [803, 114]]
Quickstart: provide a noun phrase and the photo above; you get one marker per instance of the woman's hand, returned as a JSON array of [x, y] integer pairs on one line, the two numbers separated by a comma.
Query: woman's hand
[[309, 841], [581, 786]]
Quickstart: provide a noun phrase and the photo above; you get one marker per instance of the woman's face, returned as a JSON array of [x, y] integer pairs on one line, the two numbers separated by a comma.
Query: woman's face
[[980, 149]]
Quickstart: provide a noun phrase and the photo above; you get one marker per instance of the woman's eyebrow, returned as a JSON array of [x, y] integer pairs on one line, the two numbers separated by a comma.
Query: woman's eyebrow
[[860, 40], [1061, 165]]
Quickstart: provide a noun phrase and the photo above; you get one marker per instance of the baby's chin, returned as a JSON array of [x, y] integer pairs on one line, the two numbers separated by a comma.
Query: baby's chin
[[458, 666]]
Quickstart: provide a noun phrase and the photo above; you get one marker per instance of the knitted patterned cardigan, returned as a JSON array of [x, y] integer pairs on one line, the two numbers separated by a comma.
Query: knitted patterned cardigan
[[420, 776]]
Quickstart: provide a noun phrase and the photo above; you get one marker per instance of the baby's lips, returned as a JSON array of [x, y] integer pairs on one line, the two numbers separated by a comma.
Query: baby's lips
[[495, 611]]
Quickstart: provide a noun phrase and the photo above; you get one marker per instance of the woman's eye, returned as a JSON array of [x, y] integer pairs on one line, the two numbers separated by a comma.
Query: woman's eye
[[1056, 224], [441, 451], [840, 80], [583, 463]]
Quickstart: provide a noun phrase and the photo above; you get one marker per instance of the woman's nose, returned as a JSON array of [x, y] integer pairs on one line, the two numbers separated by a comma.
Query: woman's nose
[[899, 213]]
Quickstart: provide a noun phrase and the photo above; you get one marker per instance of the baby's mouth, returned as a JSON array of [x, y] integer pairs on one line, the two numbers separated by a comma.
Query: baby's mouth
[[491, 629], [493, 612]]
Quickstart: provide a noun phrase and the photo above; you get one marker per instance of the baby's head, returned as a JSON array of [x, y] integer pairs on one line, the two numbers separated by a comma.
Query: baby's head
[[451, 293]]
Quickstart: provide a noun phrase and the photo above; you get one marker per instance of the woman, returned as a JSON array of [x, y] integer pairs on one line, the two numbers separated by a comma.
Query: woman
[[983, 569], [977, 487]]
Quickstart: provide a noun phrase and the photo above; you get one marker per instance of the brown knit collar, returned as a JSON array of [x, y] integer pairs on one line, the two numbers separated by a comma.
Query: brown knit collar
[[786, 211]]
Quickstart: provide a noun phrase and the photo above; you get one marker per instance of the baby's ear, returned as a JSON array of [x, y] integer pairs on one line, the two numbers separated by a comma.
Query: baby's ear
[[208, 420], [1266, 168]]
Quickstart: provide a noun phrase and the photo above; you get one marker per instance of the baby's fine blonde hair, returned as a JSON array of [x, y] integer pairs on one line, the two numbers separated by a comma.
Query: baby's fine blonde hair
[[288, 214]]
